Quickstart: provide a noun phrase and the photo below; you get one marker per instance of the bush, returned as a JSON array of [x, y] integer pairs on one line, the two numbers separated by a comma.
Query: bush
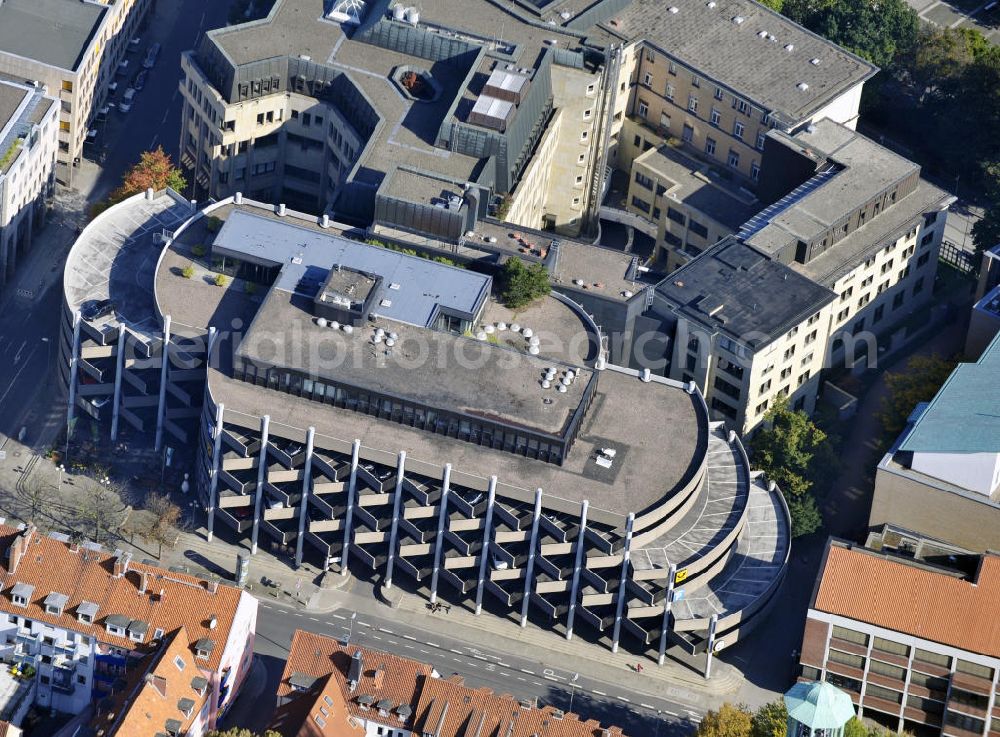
[[521, 285], [213, 224], [250, 287], [188, 272], [221, 280], [199, 251]]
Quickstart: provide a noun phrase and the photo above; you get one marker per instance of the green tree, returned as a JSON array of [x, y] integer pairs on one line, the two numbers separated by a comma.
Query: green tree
[[728, 721], [241, 732], [521, 285], [774, 5], [805, 514], [785, 446], [986, 231], [855, 728], [770, 720], [918, 382], [878, 30]]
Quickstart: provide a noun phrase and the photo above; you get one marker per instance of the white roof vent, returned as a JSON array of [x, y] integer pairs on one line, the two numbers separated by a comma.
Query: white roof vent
[[738, 19], [762, 34], [673, 9], [814, 61], [565, 15], [393, 285], [789, 47], [802, 86], [710, 4], [385, 303]]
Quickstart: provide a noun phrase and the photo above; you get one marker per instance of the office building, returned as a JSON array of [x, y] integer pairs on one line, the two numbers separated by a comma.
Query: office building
[[74, 50], [846, 249], [942, 475], [28, 140], [377, 411], [84, 619], [912, 641], [330, 688], [344, 114]]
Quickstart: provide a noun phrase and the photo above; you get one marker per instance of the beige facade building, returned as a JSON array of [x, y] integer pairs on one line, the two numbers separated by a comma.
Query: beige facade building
[[73, 49], [847, 217], [28, 140]]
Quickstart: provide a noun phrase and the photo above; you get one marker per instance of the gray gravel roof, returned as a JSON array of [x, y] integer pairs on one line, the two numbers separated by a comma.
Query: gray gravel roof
[[54, 32]]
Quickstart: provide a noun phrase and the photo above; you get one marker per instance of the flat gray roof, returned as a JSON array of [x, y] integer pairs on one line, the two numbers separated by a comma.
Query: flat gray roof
[[53, 32], [429, 367], [733, 289], [11, 98], [692, 183], [414, 289], [735, 55]]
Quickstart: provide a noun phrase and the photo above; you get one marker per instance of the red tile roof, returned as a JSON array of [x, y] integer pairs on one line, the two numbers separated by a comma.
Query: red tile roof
[[156, 694], [909, 598], [322, 713], [447, 707], [321, 666], [160, 598]]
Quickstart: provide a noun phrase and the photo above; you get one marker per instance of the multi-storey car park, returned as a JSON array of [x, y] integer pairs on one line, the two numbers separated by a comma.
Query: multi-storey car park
[[377, 410]]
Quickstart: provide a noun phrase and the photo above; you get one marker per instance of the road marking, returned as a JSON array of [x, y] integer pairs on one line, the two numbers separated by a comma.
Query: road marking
[[364, 624], [432, 644], [599, 693], [458, 652], [394, 642], [376, 637], [456, 660], [14, 380], [647, 706], [622, 698], [314, 619], [408, 647], [520, 678], [479, 657], [426, 652], [409, 637], [550, 678], [337, 616], [671, 713], [17, 356], [386, 630], [529, 672]]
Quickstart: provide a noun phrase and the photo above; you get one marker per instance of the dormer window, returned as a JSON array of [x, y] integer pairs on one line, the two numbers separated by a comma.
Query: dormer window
[[55, 603], [186, 706], [86, 612], [20, 594], [199, 684], [116, 625], [203, 648], [137, 630]]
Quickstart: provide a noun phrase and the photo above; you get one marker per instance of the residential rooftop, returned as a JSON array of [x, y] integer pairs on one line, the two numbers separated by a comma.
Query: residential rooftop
[[53, 32], [732, 289], [11, 97], [124, 591], [911, 598], [746, 47], [379, 686], [964, 415], [699, 186]]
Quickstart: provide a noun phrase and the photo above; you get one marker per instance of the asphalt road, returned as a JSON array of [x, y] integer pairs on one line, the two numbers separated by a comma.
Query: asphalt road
[[155, 118], [638, 714]]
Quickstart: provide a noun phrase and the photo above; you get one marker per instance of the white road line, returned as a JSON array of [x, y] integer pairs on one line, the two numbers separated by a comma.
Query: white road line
[[479, 657], [408, 647], [550, 678], [376, 637], [313, 619], [459, 652], [519, 678], [529, 672], [386, 630], [425, 652], [647, 706], [364, 624], [337, 616], [409, 637], [17, 356], [14, 380], [622, 698], [432, 644], [599, 693], [394, 642], [671, 713]]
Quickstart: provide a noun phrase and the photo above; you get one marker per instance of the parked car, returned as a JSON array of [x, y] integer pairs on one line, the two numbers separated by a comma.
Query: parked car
[[140, 80], [133, 45], [91, 135], [126, 104], [102, 114], [96, 308], [112, 88], [123, 68], [151, 55]]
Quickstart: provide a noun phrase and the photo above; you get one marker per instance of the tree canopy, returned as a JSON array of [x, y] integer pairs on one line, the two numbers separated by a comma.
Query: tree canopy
[[789, 449], [728, 721], [521, 285], [241, 732], [918, 382]]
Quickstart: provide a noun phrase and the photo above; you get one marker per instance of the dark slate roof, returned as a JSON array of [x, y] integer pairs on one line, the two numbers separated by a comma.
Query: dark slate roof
[[53, 32], [734, 290]]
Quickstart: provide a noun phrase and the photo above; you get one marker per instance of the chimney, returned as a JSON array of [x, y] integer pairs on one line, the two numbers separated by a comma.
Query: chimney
[[142, 583], [238, 198], [17, 548], [378, 677], [158, 682], [281, 210], [122, 560], [163, 593], [211, 586]]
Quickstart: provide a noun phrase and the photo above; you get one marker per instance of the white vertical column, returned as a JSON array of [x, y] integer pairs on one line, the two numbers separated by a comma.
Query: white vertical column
[[161, 406], [213, 482], [74, 367], [484, 554], [265, 422], [352, 486], [622, 583], [667, 605], [306, 483], [529, 574], [713, 623], [581, 542], [439, 539], [395, 518], [119, 369]]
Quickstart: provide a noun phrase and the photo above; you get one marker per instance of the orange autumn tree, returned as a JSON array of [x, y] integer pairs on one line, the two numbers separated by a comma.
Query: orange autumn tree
[[155, 169]]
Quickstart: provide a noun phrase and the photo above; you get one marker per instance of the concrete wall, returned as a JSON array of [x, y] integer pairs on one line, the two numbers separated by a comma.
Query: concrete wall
[[916, 504]]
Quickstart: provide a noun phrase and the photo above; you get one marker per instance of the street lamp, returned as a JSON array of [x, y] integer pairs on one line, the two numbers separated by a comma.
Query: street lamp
[[572, 690], [658, 720], [350, 632]]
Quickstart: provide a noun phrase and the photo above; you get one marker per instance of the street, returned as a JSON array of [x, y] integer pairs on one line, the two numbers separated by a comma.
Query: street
[[548, 683]]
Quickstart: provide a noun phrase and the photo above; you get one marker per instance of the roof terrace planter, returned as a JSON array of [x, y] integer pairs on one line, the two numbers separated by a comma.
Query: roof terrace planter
[[416, 84]]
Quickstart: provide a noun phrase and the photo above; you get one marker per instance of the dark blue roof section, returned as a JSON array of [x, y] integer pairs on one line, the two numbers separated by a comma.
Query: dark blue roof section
[[414, 289], [964, 416]]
